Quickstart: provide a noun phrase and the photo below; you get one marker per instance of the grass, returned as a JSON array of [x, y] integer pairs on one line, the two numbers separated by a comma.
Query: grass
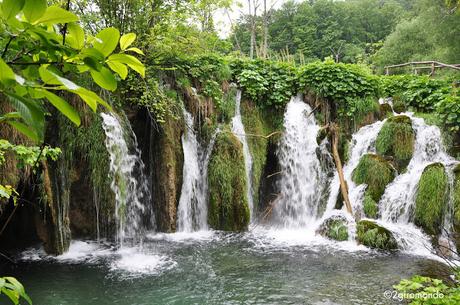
[[372, 235], [376, 172], [228, 202], [370, 206], [396, 139], [431, 198]]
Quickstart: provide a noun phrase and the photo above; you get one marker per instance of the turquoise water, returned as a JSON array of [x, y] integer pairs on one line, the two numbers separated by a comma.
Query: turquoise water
[[217, 268]]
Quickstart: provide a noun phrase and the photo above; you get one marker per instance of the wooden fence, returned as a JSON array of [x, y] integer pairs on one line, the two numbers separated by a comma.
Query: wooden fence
[[423, 65]]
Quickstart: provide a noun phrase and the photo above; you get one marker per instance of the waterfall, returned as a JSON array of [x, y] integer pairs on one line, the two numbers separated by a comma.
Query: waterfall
[[129, 184], [239, 132], [362, 142], [398, 201], [192, 214], [302, 179]]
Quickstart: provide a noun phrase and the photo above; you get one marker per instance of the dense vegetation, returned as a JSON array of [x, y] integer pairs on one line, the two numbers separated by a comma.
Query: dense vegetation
[[57, 68]]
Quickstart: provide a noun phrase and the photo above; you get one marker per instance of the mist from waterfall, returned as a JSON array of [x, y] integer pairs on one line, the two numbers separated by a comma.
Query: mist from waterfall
[[129, 183], [301, 176], [239, 132], [192, 213]]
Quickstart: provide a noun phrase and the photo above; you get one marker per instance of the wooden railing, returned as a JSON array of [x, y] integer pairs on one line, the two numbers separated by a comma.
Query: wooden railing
[[423, 65]]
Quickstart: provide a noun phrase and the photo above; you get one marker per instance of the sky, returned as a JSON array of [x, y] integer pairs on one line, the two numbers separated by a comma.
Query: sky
[[221, 19]]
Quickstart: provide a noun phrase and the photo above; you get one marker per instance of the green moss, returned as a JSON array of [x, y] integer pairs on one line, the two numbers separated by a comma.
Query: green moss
[[396, 140], [457, 205], [370, 206], [376, 172], [399, 106], [257, 123], [228, 203], [372, 235], [431, 198], [385, 111], [335, 228]]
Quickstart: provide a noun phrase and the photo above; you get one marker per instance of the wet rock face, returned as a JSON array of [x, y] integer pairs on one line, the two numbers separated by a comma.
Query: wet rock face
[[162, 155], [375, 236], [431, 200], [335, 228], [228, 202]]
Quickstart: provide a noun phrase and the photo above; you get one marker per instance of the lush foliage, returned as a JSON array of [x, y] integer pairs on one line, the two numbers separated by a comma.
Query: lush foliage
[[43, 47], [431, 198], [370, 207], [421, 290], [268, 83], [13, 289], [350, 87]]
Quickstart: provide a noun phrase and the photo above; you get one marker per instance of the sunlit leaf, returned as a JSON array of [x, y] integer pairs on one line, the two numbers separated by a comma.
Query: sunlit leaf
[[126, 40], [104, 78], [136, 50], [106, 41], [34, 9], [64, 107], [119, 68], [129, 60], [75, 36], [10, 8], [55, 15]]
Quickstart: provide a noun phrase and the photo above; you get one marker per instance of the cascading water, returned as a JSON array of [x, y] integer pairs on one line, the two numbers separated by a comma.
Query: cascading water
[[301, 175], [129, 184], [363, 142], [239, 132], [398, 201], [192, 212]]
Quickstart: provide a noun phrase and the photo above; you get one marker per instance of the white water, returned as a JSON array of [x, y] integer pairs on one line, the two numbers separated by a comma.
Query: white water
[[129, 184], [301, 175], [239, 132], [398, 201], [192, 212], [363, 142]]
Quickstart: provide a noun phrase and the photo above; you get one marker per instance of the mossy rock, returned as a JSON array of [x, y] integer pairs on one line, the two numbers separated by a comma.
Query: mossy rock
[[457, 205], [334, 228], [396, 140], [228, 202], [375, 236], [376, 172], [370, 206], [385, 111], [431, 198], [399, 106]]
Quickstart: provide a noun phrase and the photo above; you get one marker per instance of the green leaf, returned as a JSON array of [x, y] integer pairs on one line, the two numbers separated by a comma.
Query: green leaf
[[6, 73], [107, 40], [30, 111], [75, 36], [24, 129], [104, 78], [55, 14], [119, 68], [11, 8], [136, 50], [34, 9], [126, 40], [91, 98], [51, 78], [129, 60], [64, 107]]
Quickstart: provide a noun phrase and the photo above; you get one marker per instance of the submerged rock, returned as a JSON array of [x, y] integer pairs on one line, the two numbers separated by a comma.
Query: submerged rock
[[377, 173], [385, 111], [375, 236], [396, 140], [228, 202], [431, 198], [334, 227]]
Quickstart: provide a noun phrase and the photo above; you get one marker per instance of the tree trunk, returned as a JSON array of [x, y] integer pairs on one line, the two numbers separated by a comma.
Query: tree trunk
[[252, 30], [338, 164], [265, 46]]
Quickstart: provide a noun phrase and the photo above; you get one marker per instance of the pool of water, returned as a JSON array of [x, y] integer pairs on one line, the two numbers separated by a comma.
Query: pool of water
[[262, 267]]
